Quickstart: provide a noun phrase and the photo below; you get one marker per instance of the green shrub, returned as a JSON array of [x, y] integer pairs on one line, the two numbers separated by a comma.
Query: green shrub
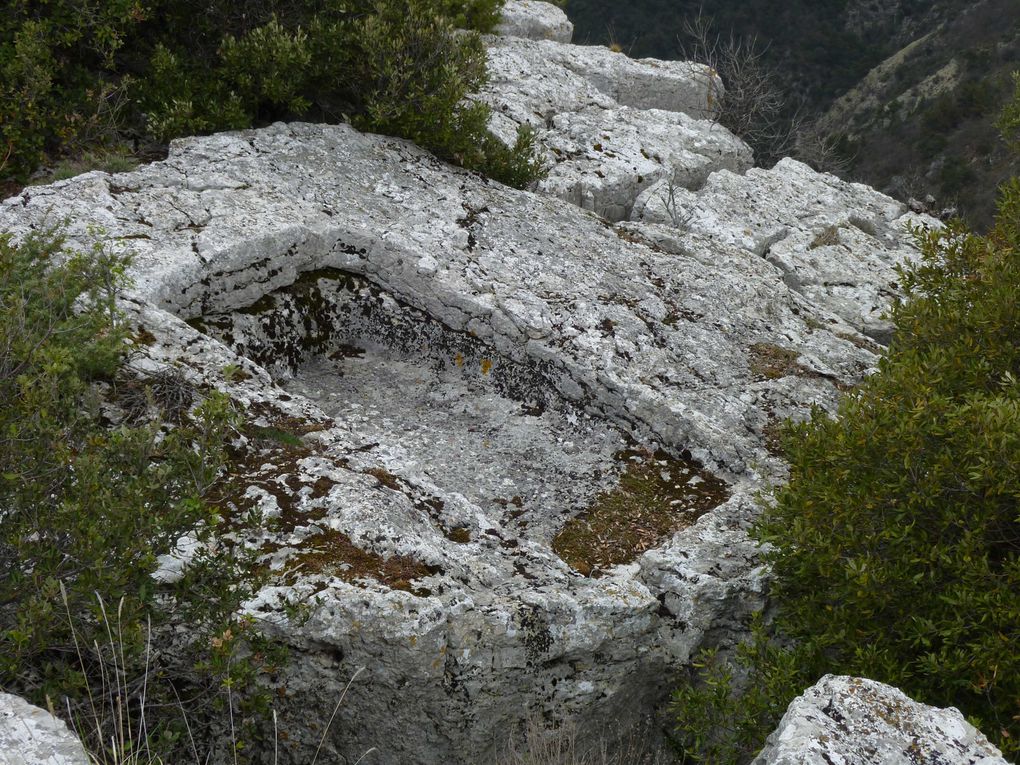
[[88, 508], [727, 707], [896, 544], [1009, 121], [75, 79]]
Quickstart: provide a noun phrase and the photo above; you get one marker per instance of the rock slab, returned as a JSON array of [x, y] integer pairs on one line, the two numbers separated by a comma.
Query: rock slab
[[853, 721], [32, 736]]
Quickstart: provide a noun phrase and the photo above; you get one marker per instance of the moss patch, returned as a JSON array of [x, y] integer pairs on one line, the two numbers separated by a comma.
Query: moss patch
[[773, 361], [657, 496], [332, 552], [827, 237]]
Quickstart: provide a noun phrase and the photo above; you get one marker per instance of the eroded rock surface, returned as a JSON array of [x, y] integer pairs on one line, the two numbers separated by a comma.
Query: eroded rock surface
[[535, 20], [508, 309], [854, 721], [611, 126], [32, 736], [452, 388], [836, 243]]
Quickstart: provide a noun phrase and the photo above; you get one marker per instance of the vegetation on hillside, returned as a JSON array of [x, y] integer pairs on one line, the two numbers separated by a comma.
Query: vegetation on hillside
[[123, 76], [895, 545], [808, 41], [88, 508], [918, 124]]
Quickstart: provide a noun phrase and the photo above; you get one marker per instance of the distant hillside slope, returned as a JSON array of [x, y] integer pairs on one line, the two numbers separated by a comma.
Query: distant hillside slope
[[908, 88], [823, 47], [921, 122]]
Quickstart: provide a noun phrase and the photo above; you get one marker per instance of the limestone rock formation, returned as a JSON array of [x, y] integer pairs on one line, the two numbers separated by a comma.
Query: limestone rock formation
[[820, 232], [611, 126], [861, 722], [32, 736], [530, 440], [534, 20]]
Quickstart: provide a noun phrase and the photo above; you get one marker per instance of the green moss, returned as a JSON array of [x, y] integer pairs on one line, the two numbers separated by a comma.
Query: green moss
[[657, 496], [773, 362]]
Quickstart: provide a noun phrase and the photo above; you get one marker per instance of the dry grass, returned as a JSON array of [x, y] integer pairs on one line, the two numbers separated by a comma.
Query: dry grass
[[533, 743]]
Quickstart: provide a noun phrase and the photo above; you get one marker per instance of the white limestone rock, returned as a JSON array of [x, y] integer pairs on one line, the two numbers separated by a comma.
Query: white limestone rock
[[836, 243], [610, 126], [32, 736], [534, 20], [524, 342], [853, 721], [603, 158]]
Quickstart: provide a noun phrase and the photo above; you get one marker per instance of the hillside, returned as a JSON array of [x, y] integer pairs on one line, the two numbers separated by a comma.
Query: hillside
[[921, 122], [906, 90]]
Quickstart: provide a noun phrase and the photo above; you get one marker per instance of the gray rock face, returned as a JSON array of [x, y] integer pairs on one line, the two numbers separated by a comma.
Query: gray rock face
[[32, 736], [469, 339], [853, 721], [487, 383], [611, 126], [535, 20], [820, 232]]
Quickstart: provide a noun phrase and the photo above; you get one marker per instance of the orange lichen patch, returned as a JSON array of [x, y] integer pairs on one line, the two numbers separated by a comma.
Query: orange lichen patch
[[332, 552], [657, 496], [486, 366]]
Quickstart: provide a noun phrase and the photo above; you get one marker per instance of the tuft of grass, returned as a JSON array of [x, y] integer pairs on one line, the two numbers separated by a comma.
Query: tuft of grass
[[827, 237], [773, 361], [112, 161]]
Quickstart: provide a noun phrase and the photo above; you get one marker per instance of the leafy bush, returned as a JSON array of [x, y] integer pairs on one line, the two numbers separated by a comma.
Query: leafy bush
[[88, 508], [1009, 121], [75, 79], [729, 705]]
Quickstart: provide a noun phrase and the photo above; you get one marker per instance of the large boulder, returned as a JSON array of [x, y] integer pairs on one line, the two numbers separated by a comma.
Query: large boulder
[[854, 721], [534, 20], [530, 441], [32, 736]]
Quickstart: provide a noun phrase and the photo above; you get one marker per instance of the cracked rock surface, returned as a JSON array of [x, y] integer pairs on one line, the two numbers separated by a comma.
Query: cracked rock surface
[[611, 126], [32, 736], [822, 233], [479, 385], [854, 721]]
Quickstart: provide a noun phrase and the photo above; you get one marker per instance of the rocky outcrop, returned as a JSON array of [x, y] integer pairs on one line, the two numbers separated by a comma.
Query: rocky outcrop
[[32, 736], [610, 126], [520, 446], [817, 230], [534, 20], [478, 367], [859, 722]]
